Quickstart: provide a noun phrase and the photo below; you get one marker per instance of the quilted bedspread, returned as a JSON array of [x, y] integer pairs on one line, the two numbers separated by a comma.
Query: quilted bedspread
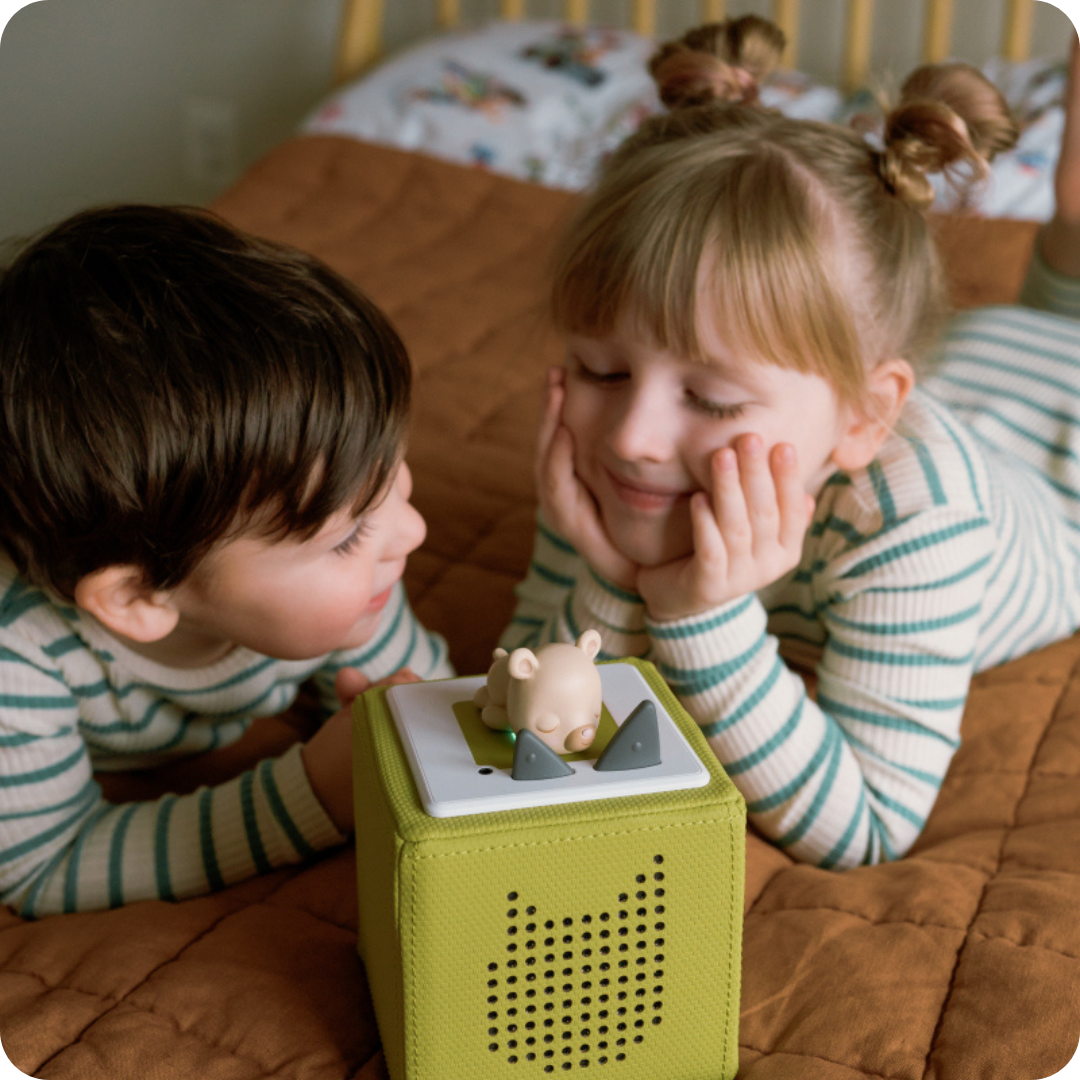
[[960, 961]]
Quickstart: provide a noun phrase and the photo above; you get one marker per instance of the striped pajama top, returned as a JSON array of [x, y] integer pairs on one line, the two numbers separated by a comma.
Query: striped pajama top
[[74, 700], [958, 548]]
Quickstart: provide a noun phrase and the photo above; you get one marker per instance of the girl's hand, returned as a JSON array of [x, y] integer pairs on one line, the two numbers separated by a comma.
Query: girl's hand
[[567, 503], [746, 535], [1061, 238]]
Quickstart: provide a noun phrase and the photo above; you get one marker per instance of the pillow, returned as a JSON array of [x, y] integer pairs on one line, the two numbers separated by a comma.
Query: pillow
[[546, 102], [536, 100]]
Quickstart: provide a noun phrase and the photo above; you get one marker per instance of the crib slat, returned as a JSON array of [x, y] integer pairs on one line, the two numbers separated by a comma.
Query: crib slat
[[713, 10], [786, 16], [449, 13], [1017, 40], [512, 10], [360, 38], [645, 17], [576, 12], [937, 31], [857, 43]]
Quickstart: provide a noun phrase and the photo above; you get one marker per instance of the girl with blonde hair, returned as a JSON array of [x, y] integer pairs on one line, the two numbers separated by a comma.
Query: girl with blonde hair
[[738, 475]]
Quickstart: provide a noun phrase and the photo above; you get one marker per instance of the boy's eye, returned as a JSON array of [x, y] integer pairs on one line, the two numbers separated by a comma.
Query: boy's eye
[[353, 539], [715, 409]]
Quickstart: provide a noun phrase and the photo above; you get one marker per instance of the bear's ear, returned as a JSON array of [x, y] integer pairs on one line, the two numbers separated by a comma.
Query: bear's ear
[[523, 664], [498, 654], [589, 643]]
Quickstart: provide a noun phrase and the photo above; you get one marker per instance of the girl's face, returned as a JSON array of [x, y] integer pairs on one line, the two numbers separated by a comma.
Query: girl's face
[[296, 599], [646, 423]]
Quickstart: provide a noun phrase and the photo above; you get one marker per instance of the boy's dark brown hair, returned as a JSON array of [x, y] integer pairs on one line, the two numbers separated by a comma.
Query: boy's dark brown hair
[[166, 379]]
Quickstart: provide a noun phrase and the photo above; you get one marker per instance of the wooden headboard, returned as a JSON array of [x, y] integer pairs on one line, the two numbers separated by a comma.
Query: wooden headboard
[[360, 42]]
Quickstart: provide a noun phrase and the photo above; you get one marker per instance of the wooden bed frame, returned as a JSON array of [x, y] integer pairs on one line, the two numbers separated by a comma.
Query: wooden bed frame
[[360, 42]]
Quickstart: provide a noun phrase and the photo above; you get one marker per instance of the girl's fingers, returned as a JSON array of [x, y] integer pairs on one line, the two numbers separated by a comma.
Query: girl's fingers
[[791, 498], [552, 414], [759, 488], [709, 547], [558, 471], [729, 503]]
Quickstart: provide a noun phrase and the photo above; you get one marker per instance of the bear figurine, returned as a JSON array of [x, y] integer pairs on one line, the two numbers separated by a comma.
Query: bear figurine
[[554, 692]]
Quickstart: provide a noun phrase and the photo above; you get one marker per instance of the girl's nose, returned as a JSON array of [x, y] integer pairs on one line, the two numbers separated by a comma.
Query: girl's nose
[[642, 430]]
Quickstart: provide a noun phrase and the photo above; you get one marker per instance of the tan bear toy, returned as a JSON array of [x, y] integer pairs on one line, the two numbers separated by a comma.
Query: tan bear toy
[[555, 692]]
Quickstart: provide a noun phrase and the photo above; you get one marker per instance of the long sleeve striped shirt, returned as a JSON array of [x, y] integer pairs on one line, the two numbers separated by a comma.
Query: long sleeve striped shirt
[[958, 548], [73, 700]]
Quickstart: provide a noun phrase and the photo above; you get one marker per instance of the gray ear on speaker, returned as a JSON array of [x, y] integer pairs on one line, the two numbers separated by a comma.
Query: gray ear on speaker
[[636, 745], [535, 760]]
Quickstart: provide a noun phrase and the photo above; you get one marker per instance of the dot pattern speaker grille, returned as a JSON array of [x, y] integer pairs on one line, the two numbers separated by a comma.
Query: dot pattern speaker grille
[[579, 989]]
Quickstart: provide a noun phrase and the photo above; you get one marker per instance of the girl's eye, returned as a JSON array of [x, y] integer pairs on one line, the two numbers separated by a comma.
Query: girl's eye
[[599, 376], [353, 539], [715, 409]]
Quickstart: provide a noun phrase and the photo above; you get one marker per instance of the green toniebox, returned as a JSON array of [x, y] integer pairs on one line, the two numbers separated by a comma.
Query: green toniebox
[[519, 928]]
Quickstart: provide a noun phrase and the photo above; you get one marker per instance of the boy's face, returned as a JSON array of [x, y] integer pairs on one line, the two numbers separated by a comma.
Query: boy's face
[[298, 599], [646, 423]]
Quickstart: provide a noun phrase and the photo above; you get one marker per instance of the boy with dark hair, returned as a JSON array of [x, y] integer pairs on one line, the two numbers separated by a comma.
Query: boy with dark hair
[[203, 503]]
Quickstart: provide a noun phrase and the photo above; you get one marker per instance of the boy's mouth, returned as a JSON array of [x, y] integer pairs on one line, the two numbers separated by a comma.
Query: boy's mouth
[[380, 600]]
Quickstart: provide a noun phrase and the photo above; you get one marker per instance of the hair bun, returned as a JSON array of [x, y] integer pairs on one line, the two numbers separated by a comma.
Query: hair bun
[[724, 61], [951, 119]]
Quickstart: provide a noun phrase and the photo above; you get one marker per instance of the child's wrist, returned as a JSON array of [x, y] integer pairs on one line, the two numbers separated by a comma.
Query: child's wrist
[[327, 761], [690, 611], [717, 633]]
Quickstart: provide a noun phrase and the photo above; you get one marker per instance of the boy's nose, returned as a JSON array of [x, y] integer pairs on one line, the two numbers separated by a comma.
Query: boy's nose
[[410, 532]]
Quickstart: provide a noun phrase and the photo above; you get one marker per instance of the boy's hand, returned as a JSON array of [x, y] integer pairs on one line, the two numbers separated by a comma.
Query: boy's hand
[[328, 753], [746, 535], [567, 503], [1060, 243], [350, 683]]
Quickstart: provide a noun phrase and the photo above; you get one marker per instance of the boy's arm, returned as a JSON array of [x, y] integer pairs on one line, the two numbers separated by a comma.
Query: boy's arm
[[63, 847], [851, 777]]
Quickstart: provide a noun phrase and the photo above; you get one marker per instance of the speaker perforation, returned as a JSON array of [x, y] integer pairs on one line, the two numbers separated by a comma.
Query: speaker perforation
[[592, 1028]]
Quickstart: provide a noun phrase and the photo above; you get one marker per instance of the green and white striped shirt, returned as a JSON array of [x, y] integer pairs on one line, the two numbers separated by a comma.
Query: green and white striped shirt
[[957, 549], [74, 700]]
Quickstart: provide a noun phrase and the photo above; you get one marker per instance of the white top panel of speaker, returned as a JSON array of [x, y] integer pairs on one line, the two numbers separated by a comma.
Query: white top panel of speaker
[[451, 783]]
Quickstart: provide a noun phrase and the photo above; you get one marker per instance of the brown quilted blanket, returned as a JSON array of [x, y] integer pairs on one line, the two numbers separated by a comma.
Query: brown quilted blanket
[[960, 961]]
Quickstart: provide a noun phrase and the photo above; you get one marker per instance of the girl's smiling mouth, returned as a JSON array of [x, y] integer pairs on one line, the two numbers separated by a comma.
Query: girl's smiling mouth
[[645, 497]]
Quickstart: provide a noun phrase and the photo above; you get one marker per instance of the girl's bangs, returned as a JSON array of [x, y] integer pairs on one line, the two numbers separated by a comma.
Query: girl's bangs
[[756, 271]]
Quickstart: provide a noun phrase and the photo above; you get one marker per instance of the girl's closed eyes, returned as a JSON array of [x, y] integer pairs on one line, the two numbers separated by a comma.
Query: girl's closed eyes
[[698, 400], [717, 410], [596, 374]]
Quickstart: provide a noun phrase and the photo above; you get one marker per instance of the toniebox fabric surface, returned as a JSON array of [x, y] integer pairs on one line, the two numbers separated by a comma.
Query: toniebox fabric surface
[[960, 961]]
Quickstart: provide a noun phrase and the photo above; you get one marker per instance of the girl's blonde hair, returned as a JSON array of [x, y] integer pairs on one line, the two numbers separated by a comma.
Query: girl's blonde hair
[[810, 243]]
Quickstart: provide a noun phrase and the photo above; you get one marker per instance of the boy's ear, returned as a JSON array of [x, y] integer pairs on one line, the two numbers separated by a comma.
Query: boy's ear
[[119, 598], [888, 386]]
